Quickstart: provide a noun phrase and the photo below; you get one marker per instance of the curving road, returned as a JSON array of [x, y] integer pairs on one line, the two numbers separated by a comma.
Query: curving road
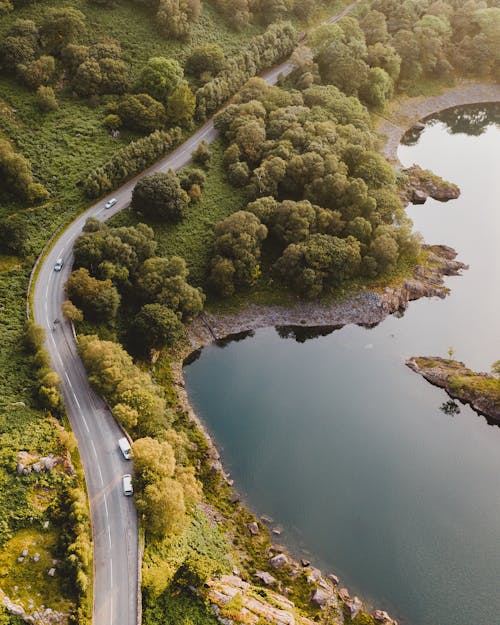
[[114, 518]]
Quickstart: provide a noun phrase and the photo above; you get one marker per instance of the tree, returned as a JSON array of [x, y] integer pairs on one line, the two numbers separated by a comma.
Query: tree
[[341, 66], [153, 460], [322, 261], [156, 326], [39, 72], [127, 416], [46, 99], [20, 45], [202, 156], [374, 26], [60, 27], [98, 299], [377, 89], [114, 73], [208, 60], [174, 17], [15, 175], [181, 105], [162, 504], [164, 281], [159, 77], [88, 78], [495, 368], [160, 197], [141, 112], [70, 311], [238, 240], [250, 137]]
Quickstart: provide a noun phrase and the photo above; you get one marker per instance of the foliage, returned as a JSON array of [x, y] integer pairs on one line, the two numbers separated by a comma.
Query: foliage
[[237, 247], [98, 299], [46, 99], [155, 326], [206, 60], [16, 177], [159, 77], [115, 376], [133, 158], [163, 492], [160, 197], [265, 50], [321, 189]]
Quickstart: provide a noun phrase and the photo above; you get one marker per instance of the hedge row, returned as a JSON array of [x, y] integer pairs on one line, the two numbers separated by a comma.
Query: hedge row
[[130, 160], [264, 51]]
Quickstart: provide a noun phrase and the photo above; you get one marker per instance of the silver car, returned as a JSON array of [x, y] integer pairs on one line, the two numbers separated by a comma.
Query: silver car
[[110, 203], [59, 264]]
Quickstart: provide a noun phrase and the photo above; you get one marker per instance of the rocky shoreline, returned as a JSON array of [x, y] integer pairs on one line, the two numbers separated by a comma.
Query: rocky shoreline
[[480, 390], [365, 307]]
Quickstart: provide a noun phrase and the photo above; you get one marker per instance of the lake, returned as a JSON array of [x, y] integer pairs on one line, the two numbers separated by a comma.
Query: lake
[[349, 450]]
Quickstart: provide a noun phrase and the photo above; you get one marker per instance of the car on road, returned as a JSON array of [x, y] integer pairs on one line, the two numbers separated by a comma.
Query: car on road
[[128, 491], [110, 203], [125, 448], [59, 264]]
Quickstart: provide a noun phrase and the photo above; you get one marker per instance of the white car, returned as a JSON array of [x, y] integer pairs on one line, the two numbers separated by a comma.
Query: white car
[[59, 264], [110, 203], [128, 491]]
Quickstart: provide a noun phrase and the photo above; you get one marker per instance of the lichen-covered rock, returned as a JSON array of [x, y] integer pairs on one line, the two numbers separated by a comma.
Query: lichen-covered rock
[[265, 577], [320, 597], [278, 561], [253, 528], [237, 602]]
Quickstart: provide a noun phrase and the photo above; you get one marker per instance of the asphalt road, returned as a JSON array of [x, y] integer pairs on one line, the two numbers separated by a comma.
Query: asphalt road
[[114, 518]]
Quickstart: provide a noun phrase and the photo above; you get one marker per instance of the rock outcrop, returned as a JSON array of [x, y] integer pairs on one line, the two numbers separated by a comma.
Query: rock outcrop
[[427, 279], [480, 390], [236, 601], [422, 183], [40, 616]]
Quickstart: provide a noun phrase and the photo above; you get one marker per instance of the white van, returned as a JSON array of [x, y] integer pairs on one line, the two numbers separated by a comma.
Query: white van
[[128, 490], [125, 448]]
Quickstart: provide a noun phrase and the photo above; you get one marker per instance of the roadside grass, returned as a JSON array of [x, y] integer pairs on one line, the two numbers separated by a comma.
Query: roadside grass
[[26, 580]]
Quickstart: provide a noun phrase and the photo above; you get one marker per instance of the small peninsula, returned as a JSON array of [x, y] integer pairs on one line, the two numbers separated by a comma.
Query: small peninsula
[[480, 390]]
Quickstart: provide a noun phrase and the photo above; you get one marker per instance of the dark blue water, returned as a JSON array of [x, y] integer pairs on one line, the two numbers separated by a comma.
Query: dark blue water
[[350, 451]]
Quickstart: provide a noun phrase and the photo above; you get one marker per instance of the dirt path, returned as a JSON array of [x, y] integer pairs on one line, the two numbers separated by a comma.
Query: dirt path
[[403, 113]]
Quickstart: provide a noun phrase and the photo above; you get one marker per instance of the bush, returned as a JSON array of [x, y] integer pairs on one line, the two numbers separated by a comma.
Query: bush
[[46, 99]]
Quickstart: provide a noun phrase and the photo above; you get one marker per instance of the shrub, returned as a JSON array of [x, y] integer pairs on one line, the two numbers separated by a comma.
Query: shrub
[[46, 99]]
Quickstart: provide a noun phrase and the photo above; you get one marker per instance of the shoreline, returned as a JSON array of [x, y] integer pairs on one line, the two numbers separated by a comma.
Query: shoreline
[[363, 307], [404, 113]]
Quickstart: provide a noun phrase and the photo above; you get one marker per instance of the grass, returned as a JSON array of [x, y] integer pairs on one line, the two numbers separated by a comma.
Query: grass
[[28, 579]]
